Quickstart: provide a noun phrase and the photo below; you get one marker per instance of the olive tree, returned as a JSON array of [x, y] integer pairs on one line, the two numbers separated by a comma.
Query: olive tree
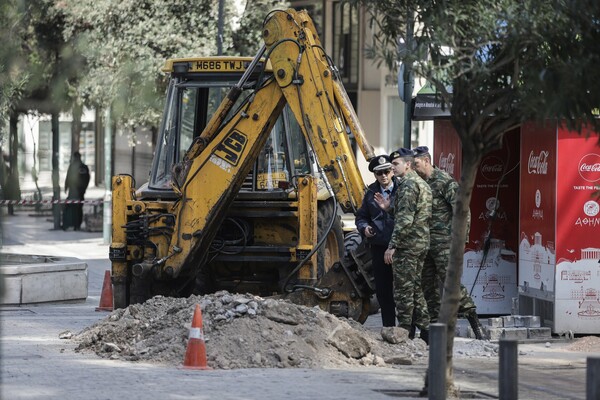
[[495, 64]]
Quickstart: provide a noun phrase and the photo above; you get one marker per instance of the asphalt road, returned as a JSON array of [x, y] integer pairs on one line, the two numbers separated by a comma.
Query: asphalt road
[[36, 364]]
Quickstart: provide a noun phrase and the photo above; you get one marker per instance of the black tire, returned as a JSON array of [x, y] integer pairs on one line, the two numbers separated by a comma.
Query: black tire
[[352, 241], [332, 249]]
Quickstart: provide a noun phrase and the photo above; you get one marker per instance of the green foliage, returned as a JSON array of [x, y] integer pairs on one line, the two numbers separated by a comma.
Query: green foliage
[[247, 38], [126, 43], [36, 62], [107, 53], [506, 61]]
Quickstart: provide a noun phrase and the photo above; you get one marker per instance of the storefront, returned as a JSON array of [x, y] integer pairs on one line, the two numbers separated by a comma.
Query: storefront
[[534, 243]]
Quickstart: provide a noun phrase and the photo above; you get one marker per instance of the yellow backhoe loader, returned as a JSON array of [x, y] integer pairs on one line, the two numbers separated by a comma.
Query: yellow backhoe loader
[[253, 167]]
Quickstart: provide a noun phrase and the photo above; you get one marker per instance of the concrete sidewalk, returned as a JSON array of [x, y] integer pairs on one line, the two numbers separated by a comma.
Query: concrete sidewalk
[[36, 364]]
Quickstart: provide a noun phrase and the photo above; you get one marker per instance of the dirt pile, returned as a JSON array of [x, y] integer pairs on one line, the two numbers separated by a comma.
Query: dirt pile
[[246, 331], [586, 344]]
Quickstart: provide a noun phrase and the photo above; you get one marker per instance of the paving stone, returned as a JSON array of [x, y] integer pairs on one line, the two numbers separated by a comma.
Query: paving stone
[[506, 333], [535, 322], [493, 333], [495, 322], [515, 333], [539, 333], [527, 321]]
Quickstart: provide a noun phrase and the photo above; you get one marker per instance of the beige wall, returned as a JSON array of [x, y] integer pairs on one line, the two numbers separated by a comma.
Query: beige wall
[[368, 115]]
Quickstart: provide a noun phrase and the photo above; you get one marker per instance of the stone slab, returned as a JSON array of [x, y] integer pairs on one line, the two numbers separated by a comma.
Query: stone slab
[[506, 333], [40, 279], [539, 333], [527, 321], [495, 322]]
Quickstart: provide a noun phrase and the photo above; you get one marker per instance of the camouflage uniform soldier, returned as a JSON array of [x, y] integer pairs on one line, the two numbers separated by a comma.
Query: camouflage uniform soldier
[[443, 189], [409, 243]]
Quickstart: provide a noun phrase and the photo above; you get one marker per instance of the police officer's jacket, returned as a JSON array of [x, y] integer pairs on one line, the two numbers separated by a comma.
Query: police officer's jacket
[[371, 214]]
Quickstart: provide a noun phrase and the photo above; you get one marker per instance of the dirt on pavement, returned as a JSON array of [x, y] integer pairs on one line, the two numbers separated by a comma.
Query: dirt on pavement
[[246, 331]]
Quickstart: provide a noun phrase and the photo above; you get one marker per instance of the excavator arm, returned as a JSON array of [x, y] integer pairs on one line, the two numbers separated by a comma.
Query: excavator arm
[[304, 79]]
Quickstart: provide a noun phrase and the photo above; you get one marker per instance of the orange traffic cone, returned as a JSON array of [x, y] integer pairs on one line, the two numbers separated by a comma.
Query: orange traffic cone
[[195, 354], [106, 298]]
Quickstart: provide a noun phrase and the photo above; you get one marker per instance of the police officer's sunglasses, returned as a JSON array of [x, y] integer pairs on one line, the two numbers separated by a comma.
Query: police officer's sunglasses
[[383, 172]]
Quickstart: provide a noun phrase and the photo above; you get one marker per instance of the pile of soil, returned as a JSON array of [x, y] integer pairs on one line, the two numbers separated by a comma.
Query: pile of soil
[[586, 344], [246, 331]]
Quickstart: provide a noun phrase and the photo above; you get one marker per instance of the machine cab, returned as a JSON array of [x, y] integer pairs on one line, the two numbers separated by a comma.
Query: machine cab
[[196, 88]]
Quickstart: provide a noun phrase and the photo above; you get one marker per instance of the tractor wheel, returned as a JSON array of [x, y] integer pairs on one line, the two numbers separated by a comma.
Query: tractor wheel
[[352, 241], [332, 250]]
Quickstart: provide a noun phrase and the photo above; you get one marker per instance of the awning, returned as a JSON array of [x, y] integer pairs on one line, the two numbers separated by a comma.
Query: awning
[[428, 105]]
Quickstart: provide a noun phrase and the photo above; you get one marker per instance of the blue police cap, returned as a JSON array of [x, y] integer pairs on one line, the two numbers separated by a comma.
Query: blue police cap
[[378, 163]]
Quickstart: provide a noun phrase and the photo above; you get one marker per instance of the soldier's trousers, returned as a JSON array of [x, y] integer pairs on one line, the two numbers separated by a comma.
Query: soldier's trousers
[[411, 307], [434, 275]]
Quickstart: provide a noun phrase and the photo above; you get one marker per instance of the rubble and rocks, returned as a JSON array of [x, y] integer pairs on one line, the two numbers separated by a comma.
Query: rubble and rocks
[[246, 331], [586, 344]]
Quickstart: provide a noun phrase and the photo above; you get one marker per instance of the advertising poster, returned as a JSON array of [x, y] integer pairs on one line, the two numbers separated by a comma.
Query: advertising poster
[[446, 148], [490, 276], [577, 306], [537, 249], [490, 259]]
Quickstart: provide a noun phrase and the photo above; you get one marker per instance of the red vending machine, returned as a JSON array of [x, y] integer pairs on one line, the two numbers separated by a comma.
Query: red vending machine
[[559, 249], [490, 259]]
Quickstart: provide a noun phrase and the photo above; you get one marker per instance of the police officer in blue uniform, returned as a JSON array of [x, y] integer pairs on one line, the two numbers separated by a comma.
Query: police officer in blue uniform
[[376, 226]]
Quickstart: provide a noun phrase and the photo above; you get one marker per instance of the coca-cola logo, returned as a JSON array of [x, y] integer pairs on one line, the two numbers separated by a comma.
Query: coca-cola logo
[[447, 163], [538, 163], [589, 167], [591, 208], [492, 168]]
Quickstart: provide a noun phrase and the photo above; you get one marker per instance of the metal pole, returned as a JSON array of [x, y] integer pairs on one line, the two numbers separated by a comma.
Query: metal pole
[[220, 24], [508, 377], [592, 380], [408, 83], [437, 362], [55, 170], [107, 209]]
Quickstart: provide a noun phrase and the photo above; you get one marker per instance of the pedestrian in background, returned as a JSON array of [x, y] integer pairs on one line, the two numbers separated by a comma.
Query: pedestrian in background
[[409, 242], [76, 183], [11, 189], [376, 226], [443, 190]]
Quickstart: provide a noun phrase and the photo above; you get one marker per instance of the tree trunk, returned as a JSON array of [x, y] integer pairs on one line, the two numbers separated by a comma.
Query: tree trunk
[[14, 145], [451, 295]]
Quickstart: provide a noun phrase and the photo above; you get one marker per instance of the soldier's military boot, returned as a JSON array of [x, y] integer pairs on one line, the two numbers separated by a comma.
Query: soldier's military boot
[[475, 324], [412, 331], [424, 335]]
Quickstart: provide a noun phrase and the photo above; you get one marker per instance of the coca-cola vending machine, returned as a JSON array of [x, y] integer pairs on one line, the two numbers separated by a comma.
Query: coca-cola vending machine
[[559, 249], [490, 258]]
